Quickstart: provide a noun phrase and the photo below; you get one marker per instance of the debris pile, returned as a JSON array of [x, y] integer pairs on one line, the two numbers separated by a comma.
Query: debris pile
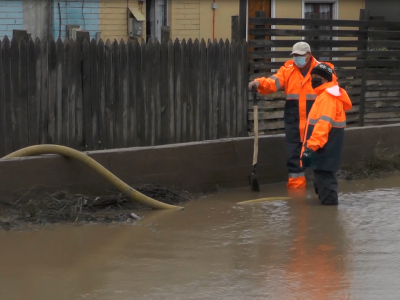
[[62, 207]]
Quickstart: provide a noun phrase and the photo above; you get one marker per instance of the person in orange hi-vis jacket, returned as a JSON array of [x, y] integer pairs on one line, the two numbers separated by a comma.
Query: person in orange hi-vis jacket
[[295, 79], [324, 136]]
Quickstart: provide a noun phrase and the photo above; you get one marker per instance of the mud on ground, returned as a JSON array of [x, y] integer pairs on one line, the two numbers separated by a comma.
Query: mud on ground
[[62, 207]]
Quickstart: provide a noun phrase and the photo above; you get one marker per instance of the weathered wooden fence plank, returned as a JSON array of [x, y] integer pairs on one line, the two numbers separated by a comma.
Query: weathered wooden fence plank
[[7, 95], [210, 92], [178, 90], [52, 70], [86, 96], [102, 119], [139, 124], [170, 103], [233, 88], [23, 98], [156, 102], [72, 96], [65, 109], [204, 93], [131, 82], [222, 91], [216, 88], [192, 83], [58, 103], [44, 99], [164, 95], [184, 90], [94, 94], [118, 98], [142, 95], [33, 97], [197, 100], [2, 100], [123, 108], [15, 94], [149, 103], [109, 94], [228, 88]]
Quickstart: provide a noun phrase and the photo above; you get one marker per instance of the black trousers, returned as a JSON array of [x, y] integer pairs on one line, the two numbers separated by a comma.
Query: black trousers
[[326, 186], [293, 151]]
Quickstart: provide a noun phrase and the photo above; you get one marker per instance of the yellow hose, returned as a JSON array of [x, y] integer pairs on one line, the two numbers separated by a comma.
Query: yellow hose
[[264, 199], [94, 165]]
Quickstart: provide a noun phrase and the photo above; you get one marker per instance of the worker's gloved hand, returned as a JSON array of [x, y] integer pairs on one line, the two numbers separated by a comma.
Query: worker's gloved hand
[[307, 158], [254, 84]]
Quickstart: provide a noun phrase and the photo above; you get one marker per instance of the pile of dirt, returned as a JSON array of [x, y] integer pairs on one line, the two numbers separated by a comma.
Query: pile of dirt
[[62, 207]]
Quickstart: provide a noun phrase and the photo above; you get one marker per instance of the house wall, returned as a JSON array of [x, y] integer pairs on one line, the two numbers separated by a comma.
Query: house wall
[[84, 13], [11, 17], [194, 18], [114, 18]]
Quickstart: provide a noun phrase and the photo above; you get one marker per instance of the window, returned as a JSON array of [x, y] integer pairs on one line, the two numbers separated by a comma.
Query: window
[[318, 10]]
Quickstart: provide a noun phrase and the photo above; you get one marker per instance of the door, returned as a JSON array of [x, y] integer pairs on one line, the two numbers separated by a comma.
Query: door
[[156, 18]]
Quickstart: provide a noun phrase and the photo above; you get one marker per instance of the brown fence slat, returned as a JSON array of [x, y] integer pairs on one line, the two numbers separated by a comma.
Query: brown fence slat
[[164, 95], [138, 96], [192, 83], [170, 109], [94, 94], [184, 90], [197, 101], [32, 97], [323, 22], [86, 96], [210, 91], [23, 91], [228, 102], [131, 115], [7, 94], [204, 94], [65, 109], [178, 91], [44, 103], [156, 102], [122, 108], [2, 100], [149, 102], [118, 105], [16, 96], [102, 119], [58, 105], [142, 110], [222, 91], [52, 69], [109, 94], [72, 96], [216, 81]]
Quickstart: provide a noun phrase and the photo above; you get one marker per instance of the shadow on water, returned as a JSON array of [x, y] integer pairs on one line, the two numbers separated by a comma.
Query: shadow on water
[[216, 249]]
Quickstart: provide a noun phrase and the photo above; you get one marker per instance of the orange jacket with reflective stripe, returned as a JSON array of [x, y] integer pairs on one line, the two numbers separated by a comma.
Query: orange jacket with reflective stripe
[[325, 126], [300, 96]]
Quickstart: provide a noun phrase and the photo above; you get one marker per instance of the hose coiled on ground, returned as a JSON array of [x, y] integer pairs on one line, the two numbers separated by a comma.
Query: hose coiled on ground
[[94, 165]]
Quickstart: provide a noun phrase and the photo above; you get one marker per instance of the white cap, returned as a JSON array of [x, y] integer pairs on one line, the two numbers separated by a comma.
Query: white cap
[[301, 48]]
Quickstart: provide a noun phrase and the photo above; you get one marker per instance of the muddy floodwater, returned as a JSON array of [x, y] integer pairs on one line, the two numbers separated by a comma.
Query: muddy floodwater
[[216, 249]]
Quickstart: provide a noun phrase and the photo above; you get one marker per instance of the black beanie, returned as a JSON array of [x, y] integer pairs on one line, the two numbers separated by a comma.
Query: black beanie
[[324, 71]]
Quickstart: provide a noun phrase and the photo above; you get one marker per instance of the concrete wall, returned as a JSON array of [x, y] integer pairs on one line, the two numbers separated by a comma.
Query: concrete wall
[[194, 166], [384, 8], [11, 17]]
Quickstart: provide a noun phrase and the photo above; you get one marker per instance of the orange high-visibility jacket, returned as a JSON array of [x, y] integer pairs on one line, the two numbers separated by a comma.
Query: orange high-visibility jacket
[[325, 126], [300, 96]]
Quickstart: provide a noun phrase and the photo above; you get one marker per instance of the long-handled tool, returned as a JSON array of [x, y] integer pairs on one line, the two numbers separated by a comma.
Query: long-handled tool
[[253, 178]]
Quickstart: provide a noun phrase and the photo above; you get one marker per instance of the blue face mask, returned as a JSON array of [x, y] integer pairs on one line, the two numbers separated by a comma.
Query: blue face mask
[[300, 61]]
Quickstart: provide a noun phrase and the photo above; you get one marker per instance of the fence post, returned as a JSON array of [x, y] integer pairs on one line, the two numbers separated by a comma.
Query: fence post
[[364, 16]]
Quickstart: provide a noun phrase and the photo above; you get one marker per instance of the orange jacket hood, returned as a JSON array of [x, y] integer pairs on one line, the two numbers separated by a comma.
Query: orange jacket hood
[[340, 94]]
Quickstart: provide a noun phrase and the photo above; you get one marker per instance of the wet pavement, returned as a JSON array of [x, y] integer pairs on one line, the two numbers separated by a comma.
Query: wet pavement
[[216, 249]]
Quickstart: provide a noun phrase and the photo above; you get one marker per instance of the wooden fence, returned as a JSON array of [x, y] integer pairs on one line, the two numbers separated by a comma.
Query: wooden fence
[[366, 55], [112, 95]]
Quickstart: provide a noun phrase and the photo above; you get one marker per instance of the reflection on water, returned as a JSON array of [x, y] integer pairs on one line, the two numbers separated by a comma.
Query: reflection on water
[[215, 249]]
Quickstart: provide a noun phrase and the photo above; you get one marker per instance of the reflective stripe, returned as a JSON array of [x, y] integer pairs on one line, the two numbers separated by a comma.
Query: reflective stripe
[[277, 82], [296, 175], [292, 97], [328, 119], [311, 96]]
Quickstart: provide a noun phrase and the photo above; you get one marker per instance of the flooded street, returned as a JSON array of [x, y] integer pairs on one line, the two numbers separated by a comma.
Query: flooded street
[[216, 249]]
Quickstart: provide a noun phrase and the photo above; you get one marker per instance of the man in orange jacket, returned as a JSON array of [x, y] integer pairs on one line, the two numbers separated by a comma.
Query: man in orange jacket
[[323, 145], [295, 79]]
